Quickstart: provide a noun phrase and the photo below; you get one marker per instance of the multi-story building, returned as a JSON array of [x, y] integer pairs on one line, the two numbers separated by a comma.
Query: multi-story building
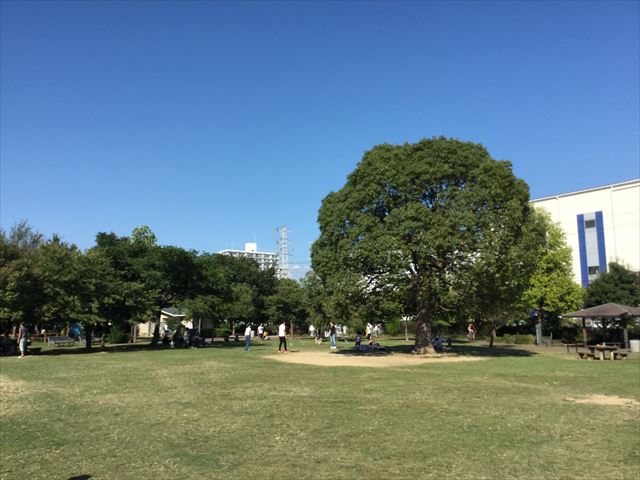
[[265, 260], [602, 225]]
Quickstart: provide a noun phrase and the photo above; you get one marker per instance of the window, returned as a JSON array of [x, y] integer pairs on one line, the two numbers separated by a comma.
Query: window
[[594, 270], [590, 224]]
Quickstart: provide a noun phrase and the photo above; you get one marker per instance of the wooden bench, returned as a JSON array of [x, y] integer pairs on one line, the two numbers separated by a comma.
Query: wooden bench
[[586, 355], [620, 354], [61, 341], [573, 345]]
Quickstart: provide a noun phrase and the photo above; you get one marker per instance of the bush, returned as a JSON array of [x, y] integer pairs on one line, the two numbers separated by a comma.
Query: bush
[[524, 339], [393, 328], [221, 332], [117, 335], [508, 338]]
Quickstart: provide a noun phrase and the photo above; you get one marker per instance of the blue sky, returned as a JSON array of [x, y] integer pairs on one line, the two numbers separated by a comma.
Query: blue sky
[[215, 122]]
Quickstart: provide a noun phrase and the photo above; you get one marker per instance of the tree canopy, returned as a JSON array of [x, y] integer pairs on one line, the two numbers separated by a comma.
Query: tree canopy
[[616, 285], [551, 288], [413, 220], [119, 281]]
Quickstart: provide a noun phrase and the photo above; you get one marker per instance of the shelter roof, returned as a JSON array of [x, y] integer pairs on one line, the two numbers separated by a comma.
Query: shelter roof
[[606, 310], [172, 312]]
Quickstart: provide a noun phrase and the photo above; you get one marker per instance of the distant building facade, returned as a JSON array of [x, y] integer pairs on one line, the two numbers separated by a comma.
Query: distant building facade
[[602, 225], [265, 260]]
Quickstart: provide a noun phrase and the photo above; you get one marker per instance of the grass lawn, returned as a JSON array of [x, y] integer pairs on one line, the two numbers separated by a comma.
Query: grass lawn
[[223, 413]]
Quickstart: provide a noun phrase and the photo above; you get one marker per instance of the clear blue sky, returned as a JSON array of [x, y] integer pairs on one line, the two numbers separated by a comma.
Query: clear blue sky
[[214, 122]]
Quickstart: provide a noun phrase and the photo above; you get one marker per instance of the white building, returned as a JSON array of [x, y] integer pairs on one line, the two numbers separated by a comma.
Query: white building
[[602, 225], [264, 260]]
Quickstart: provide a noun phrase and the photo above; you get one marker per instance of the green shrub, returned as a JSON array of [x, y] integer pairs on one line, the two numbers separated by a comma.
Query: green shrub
[[117, 335], [222, 331], [524, 339], [394, 327], [508, 338]]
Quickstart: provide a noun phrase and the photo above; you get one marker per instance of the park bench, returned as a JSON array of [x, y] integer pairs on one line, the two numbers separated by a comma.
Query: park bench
[[620, 354], [573, 345], [586, 355], [60, 341]]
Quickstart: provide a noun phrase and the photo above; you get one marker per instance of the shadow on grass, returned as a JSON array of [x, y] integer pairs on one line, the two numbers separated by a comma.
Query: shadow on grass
[[80, 477], [136, 347], [462, 349]]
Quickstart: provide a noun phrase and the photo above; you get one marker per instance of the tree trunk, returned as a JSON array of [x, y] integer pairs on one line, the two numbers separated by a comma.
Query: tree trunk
[[626, 337], [541, 320], [88, 333], [424, 332], [493, 334], [156, 333]]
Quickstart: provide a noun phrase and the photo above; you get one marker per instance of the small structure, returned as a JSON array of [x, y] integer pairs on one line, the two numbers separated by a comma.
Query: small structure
[[146, 329], [606, 312]]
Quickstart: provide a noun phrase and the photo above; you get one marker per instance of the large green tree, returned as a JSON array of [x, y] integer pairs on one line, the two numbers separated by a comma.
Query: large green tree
[[288, 304], [498, 280], [21, 293], [418, 217], [551, 290]]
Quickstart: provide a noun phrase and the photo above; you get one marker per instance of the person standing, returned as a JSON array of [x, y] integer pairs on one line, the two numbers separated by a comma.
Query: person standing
[[261, 332], [471, 331], [368, 331], [247, 337], [332, 336], [282, 335], [22, 339]]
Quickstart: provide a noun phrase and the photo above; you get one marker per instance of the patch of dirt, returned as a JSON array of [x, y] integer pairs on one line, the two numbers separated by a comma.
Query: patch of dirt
[[326, 359], [606, 400]]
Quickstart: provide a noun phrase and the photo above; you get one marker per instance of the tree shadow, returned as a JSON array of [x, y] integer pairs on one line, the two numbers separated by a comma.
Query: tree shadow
[[461, 349]]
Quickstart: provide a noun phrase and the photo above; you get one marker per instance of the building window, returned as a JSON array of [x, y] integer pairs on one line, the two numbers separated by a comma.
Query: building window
[[590, 224], [594, 270]]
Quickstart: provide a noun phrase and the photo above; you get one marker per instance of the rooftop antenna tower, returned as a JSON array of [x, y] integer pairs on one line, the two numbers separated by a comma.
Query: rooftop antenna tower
[[283, 253]]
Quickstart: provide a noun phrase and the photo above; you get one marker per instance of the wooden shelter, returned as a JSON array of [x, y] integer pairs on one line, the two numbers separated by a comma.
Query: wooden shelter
[[604, 312]]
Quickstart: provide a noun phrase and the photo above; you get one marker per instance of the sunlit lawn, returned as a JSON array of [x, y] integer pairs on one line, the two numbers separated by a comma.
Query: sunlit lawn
[[223, 413]]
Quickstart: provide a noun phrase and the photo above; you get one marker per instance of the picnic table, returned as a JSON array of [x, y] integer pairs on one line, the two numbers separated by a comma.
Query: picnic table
[[601, 350]]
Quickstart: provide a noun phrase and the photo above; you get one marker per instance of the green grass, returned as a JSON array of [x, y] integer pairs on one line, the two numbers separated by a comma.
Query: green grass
[[223, 413]]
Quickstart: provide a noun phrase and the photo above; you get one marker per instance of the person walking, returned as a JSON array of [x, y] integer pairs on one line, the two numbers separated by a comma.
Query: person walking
[[282, 335], [332, 336], [471, 331], [247, 337], [368, 331], [22, 339]]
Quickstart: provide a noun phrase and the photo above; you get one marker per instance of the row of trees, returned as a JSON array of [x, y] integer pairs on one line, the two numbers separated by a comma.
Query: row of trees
[[122, 281], [437, 231]]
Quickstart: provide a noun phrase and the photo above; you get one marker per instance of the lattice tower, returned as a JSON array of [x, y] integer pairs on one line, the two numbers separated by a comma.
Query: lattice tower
[[283, 253]]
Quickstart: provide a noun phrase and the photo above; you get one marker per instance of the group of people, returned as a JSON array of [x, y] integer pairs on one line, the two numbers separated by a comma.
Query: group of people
[[183, 337], [263, 335]]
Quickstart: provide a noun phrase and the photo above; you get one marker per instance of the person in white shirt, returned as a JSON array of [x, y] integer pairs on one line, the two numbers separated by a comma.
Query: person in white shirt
[[247, 337], [261, 332], [282, 335]]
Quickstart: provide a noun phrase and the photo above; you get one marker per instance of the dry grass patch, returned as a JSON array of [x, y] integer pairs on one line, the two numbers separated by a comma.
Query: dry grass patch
[[11, 395], [606, 400], [327, 359]]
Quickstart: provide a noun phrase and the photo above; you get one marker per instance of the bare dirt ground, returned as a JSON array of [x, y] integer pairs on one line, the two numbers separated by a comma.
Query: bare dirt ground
[[606, 400], [327, 359]]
